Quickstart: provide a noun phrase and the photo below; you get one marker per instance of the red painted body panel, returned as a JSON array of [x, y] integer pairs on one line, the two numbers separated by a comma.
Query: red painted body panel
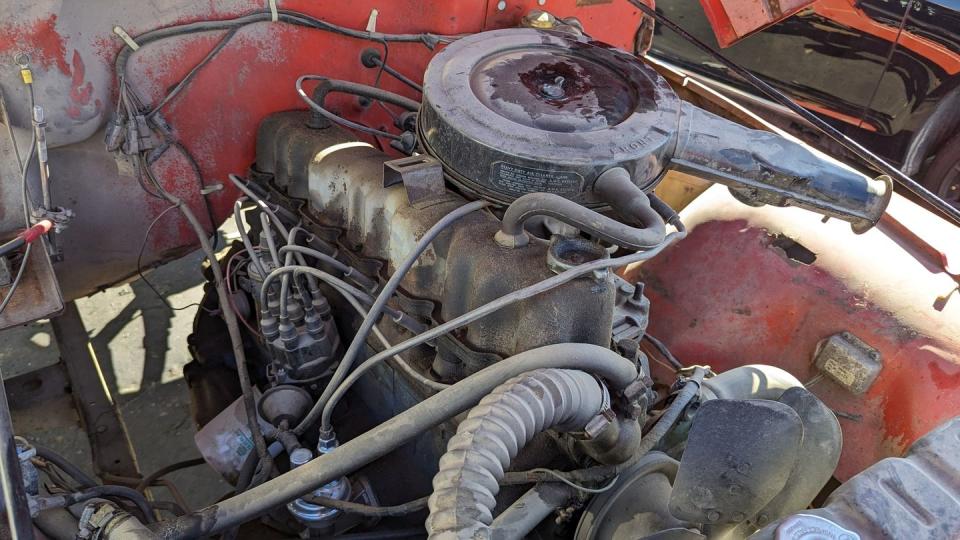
[[725, 296], [733, 20]]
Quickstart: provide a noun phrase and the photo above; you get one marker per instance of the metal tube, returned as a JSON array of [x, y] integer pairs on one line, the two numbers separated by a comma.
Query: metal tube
[[39, 126]]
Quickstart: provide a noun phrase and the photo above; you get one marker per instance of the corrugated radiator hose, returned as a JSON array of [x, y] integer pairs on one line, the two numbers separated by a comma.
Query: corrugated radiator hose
[[465, 488]]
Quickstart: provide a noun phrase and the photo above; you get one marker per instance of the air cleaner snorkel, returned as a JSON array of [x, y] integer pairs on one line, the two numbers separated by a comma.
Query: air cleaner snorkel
[[761, 167]]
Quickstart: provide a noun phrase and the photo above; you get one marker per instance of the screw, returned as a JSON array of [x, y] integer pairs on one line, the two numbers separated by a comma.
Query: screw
[[713, 515], [739, 516], [743, 468], [501, 5], [541, 2]]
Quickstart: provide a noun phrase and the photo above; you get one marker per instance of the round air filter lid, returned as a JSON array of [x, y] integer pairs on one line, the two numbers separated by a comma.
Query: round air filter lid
[[517, 111]]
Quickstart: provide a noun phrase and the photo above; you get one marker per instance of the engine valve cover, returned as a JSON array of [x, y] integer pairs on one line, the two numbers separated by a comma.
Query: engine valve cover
[[517, 111]]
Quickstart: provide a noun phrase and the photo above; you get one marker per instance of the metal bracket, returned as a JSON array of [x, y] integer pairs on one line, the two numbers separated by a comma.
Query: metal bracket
[[422, 176]]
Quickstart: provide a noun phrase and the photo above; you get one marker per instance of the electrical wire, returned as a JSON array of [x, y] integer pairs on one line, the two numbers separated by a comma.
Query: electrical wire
[[193, 71], [366, 510], [230, 319], [140, 273], [401, 363], [75, 473], [123, 492], [283, 16], [26, 198], [484, 310], [245, 238], [163, 471], [203, 186], [231, 274], [17, 279], [574, 485], [386, 293], [385, 68], [664, 351]]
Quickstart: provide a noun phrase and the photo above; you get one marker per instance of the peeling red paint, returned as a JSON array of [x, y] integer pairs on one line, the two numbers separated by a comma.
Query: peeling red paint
[[39, 39], [784, 309], [80, 91]]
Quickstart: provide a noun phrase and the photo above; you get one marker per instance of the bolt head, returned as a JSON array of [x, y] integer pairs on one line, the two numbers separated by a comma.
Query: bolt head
[[501, 5], [713, 515]]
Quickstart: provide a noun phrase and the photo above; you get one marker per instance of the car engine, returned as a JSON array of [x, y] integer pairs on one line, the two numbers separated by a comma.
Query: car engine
[[450, 342], [385, 297]]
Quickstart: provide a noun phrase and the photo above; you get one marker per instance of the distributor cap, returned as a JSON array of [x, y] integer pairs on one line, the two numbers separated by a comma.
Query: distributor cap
[[517, 111]]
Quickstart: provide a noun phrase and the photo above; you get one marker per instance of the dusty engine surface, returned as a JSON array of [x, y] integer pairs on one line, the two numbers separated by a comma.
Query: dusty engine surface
[[493, 245], [445, 344]]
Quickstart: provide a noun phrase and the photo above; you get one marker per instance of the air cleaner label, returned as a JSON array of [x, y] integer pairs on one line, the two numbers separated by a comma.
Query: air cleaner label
[[520, 179]]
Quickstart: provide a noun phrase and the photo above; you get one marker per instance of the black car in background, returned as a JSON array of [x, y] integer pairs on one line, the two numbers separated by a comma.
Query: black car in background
[[885, 72]]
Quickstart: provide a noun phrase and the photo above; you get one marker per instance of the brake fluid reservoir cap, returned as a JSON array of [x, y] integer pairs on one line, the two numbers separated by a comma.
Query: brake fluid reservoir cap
[[810, 527], [520, 110]]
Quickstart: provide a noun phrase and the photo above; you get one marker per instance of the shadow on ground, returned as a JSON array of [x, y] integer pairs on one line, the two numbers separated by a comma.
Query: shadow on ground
[[140, 342]]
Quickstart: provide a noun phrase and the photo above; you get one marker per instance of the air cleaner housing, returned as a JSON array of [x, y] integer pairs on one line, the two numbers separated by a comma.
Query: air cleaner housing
[[516, 111]]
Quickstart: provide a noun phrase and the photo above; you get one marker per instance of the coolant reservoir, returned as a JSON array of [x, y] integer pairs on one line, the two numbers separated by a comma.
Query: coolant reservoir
[[916, 496]]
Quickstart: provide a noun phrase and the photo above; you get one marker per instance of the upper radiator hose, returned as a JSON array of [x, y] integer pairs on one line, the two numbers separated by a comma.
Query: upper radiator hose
[[493, 433]]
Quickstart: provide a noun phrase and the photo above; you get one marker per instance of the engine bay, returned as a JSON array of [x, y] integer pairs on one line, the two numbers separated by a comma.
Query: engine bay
[[447, 325]]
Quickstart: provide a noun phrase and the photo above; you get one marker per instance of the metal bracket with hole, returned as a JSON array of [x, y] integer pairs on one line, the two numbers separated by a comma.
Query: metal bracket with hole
[[422, 176]]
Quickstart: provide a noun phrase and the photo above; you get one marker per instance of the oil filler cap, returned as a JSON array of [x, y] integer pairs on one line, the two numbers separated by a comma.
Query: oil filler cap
[[518, 111]]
